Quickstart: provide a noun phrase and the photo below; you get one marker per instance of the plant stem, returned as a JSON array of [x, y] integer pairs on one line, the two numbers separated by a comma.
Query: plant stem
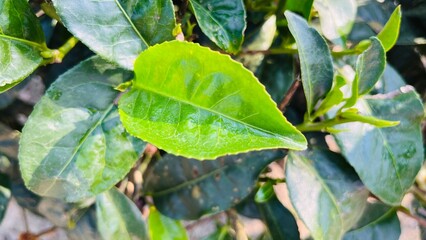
[[274, 180], [289, 95], [66, 48], [319, 126], [236, 225]]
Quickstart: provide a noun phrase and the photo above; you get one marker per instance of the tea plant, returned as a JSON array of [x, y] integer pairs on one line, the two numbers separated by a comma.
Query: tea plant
[[183, 105]]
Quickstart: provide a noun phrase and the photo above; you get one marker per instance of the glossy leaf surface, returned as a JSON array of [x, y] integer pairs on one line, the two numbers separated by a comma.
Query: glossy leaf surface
[[73, 145], [201, 104], [187, 188], [118, 30], [164, 228], [223, 21], [315, 59], [279, 220], [21, 40], [390, 31], [337, 18], [378, 222], [370, 66], [118, 217], [386, 159], [325, 191]]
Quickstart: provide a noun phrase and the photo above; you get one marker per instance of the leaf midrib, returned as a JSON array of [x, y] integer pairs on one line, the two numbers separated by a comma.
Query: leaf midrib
[[78, 147], [284, 138], [190, 183], [25, 41], [131, 23]]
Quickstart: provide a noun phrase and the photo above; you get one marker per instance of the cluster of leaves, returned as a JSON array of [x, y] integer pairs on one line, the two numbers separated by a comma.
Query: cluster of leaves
[[96, 125]]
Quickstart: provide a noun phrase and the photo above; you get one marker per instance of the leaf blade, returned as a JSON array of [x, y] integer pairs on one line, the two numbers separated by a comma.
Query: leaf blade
[[315, 60], [187, 188], [117, 29], [222, 21], [325, 192], [380, 158], [162, 227], [210, 110], [390, 32], [118, 217], [21, 40], [89, 151]]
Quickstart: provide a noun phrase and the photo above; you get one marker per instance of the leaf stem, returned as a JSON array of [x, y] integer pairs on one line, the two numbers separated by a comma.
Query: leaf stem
[[57, 55], [407, 212], [319, 126]]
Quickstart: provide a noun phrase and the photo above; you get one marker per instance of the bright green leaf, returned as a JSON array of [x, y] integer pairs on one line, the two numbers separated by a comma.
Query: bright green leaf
[[201, 104], [21, 40], [265, 192], [337, 18], [73, 145], [390, 31], [187, 188], [334, 96], [164, 228], [315, 60], [303, 7], [223, 21], [118, 217], [325, 191], [380, 155], [118, 30], [378, 222], [279, 220]]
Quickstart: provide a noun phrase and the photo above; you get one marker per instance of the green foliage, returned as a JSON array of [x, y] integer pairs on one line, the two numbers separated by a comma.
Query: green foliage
[[214, 105], [118, 217], [21, 41], [89, 158]]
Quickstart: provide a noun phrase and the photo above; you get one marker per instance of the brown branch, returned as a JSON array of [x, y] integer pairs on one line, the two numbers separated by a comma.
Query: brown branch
[[289, 95], [407, 212]]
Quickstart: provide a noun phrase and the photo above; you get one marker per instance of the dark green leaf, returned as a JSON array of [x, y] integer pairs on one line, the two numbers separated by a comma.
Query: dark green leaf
[[73, 145], [118, 30], [380, 156], [390, 31], [164, 228], [315, 60], [325, 191], [337, 18], [118, 217], [370, 66], [303, 7], [378, 222], [223, 21], [279, 220], [21, 40], [276, 73], [85, 227], [187, 189], [201, 104]]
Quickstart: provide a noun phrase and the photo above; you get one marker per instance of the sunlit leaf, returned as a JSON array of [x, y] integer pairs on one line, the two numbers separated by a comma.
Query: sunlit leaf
[[201, 104], [118, 30], [390, 31], [164, 228], [21, 41]]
